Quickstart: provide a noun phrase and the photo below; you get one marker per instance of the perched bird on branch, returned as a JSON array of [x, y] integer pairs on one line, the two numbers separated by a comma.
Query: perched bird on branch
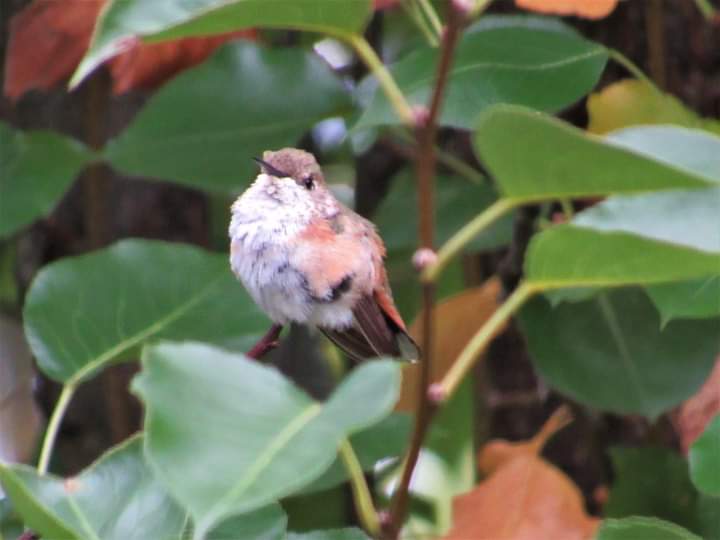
[[306, 258]]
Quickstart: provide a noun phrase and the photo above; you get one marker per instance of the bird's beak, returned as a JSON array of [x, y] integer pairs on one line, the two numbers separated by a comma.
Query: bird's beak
[[270, 169]]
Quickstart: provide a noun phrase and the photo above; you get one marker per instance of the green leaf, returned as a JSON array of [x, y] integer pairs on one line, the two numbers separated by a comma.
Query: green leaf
[[694, 299], [203, 128], [543, 69], [653, 482], [561, 161], [83, 312], [123, 22], [386, 439], [691, 150], [642, 528], [457, 201], [569, 256], [649, 238], [267, 523], [681, 218], [330, 534], [705, 459], [36, 168], [245, 435], [615, 338], [117, 497]]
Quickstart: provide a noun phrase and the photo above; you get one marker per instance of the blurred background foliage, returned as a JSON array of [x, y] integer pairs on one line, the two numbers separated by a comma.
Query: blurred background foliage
[[114, 202]]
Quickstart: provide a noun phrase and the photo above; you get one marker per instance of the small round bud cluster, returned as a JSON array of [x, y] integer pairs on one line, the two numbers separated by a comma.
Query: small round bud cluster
[[421, 115], [423, 258]]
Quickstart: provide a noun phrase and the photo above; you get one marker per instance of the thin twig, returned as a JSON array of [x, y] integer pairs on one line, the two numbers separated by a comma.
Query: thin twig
[[655, 32], [452, 162], [425, 165]]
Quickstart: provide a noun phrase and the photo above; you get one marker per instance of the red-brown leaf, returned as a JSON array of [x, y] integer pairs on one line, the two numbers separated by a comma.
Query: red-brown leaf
[[148, 65], [46, 42], [48, 39], [524, 497], [692, 416]]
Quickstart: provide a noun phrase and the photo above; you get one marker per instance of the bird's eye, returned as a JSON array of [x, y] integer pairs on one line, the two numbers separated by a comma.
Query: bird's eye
[[308, 181]]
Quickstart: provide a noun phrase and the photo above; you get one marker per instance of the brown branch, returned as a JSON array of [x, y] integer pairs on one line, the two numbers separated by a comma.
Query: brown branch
[[426, 162]]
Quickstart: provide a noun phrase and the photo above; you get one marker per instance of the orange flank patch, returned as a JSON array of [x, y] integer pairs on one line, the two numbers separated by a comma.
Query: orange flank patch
[[324, 257]]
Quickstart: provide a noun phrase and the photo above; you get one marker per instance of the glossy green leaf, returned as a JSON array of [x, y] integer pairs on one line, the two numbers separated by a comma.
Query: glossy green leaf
[[245, 435], [650, 238], [203, 128], [82, 312], [123, 22], [330, 534], [705, 459], [267, 523], [681, 218], [610, 353], [36, 168], [691, 150], [117, 497], [652, 482], [642, 528], [11, 525], [569, 256], [457, 201], [694, 299], [560, 161], [542, 69], [386, 439]]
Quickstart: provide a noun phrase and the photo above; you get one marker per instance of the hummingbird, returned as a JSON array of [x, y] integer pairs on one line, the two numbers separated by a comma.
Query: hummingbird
[[306, 258]]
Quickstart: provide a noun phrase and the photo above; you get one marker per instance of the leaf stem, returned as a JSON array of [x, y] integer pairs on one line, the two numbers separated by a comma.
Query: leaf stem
[[385, 79], [54, 426], [482, 338], [461, 238], [432, 16], [412, 9], [361, 492], [628, 64], [706, 8]]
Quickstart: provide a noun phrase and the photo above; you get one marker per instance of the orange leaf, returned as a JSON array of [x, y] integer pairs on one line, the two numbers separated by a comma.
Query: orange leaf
[[590, 9], [457, 319], [148, 65], [524, 498], [46, 42], [692, 416]]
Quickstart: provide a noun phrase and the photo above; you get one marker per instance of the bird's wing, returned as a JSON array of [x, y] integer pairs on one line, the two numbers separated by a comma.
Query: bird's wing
[[331, 252]]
